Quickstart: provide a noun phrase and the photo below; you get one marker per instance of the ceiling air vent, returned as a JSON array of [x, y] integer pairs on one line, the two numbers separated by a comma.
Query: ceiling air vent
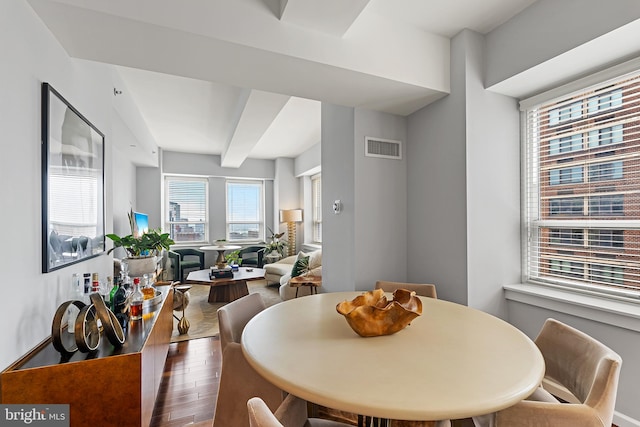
[[385, 148]]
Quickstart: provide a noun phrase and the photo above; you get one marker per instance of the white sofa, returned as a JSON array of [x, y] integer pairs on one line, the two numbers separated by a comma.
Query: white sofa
[[280, 272]]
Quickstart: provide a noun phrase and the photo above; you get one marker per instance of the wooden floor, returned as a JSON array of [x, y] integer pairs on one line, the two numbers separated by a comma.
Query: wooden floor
[[189, 385], [187, 395]]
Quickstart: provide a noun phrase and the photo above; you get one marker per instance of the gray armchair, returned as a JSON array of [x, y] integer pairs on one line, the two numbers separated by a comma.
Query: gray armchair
[[186, 259]]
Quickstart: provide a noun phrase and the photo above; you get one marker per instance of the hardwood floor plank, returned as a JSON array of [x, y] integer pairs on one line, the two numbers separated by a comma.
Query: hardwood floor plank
[[189, 388]]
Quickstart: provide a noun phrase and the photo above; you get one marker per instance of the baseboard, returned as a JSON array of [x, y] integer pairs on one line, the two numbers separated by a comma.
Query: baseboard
[[622, 420]]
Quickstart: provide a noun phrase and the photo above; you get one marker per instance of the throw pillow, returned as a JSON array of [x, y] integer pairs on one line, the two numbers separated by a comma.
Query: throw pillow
[[300, 267], [315, 259]]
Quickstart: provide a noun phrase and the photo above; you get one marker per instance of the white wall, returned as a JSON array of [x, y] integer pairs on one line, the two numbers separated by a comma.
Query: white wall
[[380, 202], [30, 56]]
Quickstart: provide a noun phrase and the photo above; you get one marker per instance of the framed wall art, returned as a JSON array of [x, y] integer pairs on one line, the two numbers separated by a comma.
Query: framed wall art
[[72, 184]]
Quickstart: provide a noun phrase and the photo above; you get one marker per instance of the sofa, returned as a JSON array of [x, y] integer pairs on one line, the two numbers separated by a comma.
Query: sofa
[[280, 272]]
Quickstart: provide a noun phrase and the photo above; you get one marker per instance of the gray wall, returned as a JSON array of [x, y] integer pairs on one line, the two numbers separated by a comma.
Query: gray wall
[[381, 202], [338, 182], [549, 28], [493, 185], [436, 238]]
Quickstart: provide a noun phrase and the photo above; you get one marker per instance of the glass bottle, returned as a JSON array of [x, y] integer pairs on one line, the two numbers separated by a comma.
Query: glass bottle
[[119, 300], [107, 290], [112, 294], [148, 290], [95, 283], [136, 300]]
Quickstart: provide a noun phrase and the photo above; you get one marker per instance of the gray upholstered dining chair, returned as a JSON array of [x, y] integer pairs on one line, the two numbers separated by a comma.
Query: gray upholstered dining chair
[[238, 380], [291, 413], [425, 290], [580, 370]]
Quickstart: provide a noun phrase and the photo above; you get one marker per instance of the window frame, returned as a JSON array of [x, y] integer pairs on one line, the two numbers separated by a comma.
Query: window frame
[[316, 208], [166, 217], [607, 180], [261, 214]]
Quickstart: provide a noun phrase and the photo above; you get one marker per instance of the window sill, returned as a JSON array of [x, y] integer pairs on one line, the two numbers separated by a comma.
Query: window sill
[[605, 310]]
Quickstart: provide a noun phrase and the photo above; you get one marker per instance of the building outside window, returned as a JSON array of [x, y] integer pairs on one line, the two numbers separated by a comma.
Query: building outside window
[[316, 205], [245, 210], [582, 189], [186, 209]]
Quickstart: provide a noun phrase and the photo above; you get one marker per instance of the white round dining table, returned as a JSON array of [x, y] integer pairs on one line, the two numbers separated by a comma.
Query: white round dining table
[[451, 362]]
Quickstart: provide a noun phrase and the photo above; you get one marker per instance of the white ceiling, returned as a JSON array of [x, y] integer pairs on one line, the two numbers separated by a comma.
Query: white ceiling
[[244, 78]]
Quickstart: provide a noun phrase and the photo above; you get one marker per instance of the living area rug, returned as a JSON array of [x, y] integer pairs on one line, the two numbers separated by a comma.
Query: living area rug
[[202, 315]]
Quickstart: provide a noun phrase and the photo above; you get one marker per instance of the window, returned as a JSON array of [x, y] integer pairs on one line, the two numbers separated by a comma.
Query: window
[[565, 113], [569, 206], [606, 205], [582, 188], [605, 101], [316, 206], [563, 236], [570, 175], [605, 136], [186, 215], [606, 238], [605, 171], [245, 210], [565, 144]]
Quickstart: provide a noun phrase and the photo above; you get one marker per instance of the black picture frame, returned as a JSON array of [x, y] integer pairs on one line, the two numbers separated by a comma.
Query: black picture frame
[[73, 227]]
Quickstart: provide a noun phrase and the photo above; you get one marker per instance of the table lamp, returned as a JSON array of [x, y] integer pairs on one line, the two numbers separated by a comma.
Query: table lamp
[[291, 217]]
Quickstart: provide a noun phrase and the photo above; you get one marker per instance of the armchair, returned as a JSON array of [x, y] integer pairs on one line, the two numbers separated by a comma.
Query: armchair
[[580, 370], [185, 259], [252, 256]]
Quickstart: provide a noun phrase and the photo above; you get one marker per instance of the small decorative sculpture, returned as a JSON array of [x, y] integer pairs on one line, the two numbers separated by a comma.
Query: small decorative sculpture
[[180, 302], [371, 314]]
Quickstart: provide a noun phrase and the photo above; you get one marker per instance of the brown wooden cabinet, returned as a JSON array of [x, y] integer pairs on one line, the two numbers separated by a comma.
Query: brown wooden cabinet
[[110, 387]]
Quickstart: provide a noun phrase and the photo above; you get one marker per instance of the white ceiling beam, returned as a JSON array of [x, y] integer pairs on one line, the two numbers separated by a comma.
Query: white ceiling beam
[[242, 44], [259, 112], [333, 17]]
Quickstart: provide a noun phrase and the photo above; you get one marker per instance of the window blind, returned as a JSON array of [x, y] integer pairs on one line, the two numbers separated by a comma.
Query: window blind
[[245, 210], [186, 208], [582, 188], [316, 201]]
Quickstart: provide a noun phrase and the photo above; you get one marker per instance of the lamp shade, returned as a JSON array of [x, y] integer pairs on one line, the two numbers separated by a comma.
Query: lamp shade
[[291, 215]]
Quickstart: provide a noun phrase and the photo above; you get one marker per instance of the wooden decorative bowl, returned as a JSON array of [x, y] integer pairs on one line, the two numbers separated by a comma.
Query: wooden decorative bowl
[[372, 314]]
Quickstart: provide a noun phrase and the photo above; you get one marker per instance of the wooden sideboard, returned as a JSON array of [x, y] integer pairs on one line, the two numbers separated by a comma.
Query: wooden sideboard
[[110, 387]]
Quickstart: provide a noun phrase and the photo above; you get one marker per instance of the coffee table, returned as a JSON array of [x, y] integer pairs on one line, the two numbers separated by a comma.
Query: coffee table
[[226, 289]]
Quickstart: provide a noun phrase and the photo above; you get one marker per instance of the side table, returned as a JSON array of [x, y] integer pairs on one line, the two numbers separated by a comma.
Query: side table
[[314, 282]]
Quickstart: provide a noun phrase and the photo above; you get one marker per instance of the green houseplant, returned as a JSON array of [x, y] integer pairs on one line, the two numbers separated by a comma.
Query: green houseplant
[[150, 243], [234, 258], [141, 250], [275, 244]]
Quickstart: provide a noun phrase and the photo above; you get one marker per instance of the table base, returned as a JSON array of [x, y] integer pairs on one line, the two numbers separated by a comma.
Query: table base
[[227, 292], [364, 421]]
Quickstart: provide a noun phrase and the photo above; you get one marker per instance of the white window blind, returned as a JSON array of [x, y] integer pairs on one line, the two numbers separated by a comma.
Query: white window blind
[[316, 202], [582, 188], [186, 208], [245, 210]]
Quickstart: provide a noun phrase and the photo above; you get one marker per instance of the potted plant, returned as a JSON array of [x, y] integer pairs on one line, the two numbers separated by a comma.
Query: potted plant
[[234, 259], [141, 250], [275, 244]]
